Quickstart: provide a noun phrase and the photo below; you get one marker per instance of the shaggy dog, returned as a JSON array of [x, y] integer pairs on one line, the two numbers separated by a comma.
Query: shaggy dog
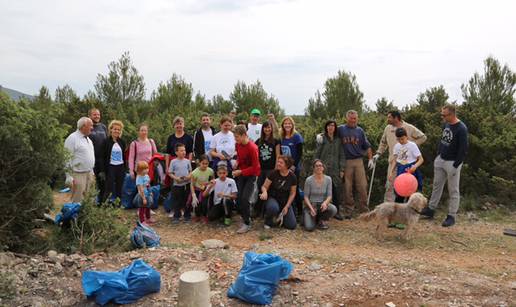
[[390, 212]]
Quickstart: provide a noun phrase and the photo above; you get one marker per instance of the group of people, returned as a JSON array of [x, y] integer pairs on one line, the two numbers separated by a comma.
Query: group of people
[[254, 168]]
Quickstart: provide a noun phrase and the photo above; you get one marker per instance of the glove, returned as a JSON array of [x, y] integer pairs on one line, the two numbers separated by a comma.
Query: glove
[[195, 201], [69, 180], [371, 163], [319, 138], [376, 157], [102, 176]]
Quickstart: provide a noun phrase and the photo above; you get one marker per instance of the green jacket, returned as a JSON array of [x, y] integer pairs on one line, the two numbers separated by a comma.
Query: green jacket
[[331, 152]]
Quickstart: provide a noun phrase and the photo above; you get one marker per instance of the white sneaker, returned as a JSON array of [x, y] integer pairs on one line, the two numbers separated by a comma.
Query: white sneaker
[[266, 227], [244, 228], [152, 212], [171, 215]]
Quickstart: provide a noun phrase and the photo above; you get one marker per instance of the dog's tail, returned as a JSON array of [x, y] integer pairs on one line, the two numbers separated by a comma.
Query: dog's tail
[[367, 216]]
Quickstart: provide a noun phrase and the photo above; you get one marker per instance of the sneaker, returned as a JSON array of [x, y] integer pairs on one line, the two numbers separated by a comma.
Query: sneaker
[[322, 225], [227, 221], [399, 226], [243, 229], [266, 227], [347, 217], [187, 220], [171, 215], [392, 225], [152, 212], [175, 220], [151, 221], [449, 221], [204, 220], [428, 213], [338, 217]]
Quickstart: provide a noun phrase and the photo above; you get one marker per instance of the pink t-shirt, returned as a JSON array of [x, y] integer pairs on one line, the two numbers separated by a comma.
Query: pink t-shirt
[[143, 152]]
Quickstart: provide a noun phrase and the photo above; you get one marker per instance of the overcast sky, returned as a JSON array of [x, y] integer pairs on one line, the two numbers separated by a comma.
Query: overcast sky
[[396, 49]]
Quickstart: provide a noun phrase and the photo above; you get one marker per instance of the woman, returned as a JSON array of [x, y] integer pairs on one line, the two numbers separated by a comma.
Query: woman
[[292, 146], [279, 191], [223, 145], [178, 137], [140, 149], [269, 149], [331, 152], [114, 163], [318, 195]]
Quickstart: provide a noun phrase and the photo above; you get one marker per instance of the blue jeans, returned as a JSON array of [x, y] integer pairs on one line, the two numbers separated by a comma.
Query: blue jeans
[[272, 210]]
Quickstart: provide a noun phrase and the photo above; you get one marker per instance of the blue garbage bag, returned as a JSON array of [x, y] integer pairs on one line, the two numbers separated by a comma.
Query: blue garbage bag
[[128, 192], [123, 287], [69, 212], [155, 190], [167, 204], [144, 236], [259, 277]]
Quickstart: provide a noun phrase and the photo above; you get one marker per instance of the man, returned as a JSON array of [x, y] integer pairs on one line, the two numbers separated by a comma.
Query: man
[[79, 173], [246, 175], [355, 144], [254, 128], [388, 140], [447, 165], [202, 137], [98, 136]]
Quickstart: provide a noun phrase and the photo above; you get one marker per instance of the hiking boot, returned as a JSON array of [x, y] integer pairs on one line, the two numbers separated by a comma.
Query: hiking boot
[[175, 220], [338, 217], [449, 221], [427, 213], [227, 221], [243, 229]]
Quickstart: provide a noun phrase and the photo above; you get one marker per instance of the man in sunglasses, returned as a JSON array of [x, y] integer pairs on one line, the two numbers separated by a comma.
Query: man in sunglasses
[[447, 165]]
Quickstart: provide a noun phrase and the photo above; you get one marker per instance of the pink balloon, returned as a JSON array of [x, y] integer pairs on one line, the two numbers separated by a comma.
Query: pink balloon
[[405, 184]]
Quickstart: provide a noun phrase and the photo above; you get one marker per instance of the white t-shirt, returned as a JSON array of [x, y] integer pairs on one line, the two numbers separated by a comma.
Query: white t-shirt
[[116, 155], [227, 187], [224, 142], [254, 131], [208, 136], [406, 153]]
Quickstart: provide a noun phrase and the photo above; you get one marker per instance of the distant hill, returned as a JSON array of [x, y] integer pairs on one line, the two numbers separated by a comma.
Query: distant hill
[[15, 95]]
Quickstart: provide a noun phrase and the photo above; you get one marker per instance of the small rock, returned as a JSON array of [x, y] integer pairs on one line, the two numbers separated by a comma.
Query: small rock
[[513, 285], [58, 268], [390, 304], [98, 262], [214, 244], [315, 267], [52, 256]]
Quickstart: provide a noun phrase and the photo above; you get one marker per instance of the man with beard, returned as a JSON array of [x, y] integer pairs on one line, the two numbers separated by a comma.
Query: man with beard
[[202, 137]]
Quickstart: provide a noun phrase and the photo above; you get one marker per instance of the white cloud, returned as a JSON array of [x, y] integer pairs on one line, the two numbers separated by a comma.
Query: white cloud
[[397, 49]]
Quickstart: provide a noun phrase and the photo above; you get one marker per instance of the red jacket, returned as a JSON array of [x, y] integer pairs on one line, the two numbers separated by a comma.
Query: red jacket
[[247, 158]]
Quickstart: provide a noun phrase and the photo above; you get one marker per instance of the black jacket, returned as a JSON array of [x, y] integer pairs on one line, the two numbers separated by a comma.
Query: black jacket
[[98, 136], [199, 142], [107, 152]]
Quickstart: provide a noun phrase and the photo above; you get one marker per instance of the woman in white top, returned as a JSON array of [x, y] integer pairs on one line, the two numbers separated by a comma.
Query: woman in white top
[[223, 145]]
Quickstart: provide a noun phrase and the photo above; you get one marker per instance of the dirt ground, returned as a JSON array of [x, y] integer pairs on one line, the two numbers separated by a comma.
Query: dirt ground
[[470, 264]]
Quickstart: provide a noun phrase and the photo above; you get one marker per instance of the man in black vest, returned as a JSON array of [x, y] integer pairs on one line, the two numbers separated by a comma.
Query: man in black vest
[[98, 136]]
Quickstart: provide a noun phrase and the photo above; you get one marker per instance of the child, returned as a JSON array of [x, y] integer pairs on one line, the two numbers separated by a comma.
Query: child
[[224, 194], [180, 171], [201, 177], [143, 200], [408, 159]]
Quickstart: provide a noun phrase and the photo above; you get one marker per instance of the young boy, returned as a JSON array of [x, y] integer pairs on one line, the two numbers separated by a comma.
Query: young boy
[[408, 159], [224, 194], [180, 171], [201, 178], [143, 200]]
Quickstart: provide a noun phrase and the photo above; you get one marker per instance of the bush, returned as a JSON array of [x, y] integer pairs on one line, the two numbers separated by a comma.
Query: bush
[[98, 228], [31, 152]]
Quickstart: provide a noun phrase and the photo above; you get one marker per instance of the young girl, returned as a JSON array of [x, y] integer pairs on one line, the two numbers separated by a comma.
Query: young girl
[[201, 178], [408, 159], [143, 200]]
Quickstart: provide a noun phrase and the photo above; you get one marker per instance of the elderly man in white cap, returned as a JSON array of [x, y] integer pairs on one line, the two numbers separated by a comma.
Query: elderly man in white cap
[[79, 173]]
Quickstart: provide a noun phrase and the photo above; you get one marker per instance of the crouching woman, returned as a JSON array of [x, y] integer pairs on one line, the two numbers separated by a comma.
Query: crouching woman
[[318, 195], [279, 192]]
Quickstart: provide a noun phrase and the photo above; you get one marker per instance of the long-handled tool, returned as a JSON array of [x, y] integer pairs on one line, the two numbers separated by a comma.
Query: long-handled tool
[[371, 184]]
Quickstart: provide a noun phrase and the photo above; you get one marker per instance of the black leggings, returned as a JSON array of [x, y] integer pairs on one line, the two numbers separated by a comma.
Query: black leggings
[[223, 209], [245, 186], [115, 176]]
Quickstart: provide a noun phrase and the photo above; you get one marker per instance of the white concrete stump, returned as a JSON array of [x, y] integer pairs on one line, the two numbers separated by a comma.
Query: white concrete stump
[[194, 289]]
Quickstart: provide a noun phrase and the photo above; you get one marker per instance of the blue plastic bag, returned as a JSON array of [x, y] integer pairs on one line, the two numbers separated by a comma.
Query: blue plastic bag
[[69, 212], [144, 236], [258, 278], [123, 287], [128, 192], [155, 190]]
